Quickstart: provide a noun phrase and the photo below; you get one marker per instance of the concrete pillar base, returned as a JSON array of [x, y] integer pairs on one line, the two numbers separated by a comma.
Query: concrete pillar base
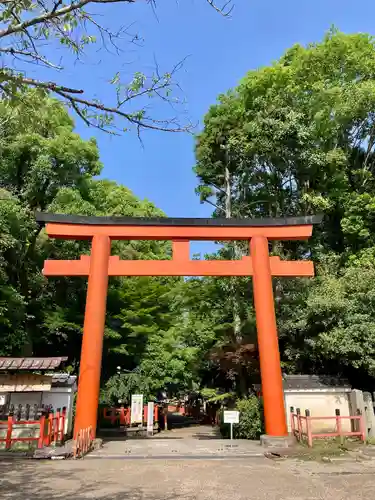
[[277, 441]]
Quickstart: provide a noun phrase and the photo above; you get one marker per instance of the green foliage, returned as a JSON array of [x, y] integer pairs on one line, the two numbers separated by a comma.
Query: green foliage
[[300, 132], [335, 331], [297, 137], [212, 396], [293, 138], [39, 155], [120, 387], [44, 165], [169, 362], [251, 424]]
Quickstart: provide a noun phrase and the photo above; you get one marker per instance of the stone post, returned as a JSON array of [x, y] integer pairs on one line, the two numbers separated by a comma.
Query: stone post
[[369, 414], [358, 407]]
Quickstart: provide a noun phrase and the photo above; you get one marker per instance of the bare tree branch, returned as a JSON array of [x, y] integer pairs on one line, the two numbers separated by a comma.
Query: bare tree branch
[[31, 25], [153, 124], [36, 83], [48, 16], [225, 10], [33, 55], [71, 96], [56, 6]]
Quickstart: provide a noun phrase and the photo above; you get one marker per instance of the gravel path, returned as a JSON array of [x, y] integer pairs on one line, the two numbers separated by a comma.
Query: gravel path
[[231, 479]]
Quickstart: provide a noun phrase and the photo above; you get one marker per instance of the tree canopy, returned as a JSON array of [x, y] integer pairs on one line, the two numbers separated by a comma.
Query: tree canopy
[[46, 166], [293, 138]]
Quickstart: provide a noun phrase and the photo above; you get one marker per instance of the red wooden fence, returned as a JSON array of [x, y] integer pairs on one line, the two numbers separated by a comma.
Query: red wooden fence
[[122, 415], [301, 426], [56, 427], [83, 442], [50, 429]]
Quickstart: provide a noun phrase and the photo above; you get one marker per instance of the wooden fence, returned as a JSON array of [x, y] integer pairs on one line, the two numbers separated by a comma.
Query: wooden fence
[[83, 442], [46, 430], [302, 428], [122, 417]]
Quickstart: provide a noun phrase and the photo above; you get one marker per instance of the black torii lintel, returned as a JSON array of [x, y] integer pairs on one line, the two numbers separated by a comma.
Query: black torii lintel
[[45, 217]]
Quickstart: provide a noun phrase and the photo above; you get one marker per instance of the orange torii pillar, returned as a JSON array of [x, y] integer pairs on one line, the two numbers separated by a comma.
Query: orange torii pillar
[[100, 265]]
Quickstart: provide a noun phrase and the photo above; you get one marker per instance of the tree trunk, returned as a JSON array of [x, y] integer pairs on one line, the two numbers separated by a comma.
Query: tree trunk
[[236, 254], [27, 347], [236, 308]]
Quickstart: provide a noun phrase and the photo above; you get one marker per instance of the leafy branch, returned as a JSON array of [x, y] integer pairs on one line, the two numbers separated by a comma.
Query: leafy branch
[[29, 26]]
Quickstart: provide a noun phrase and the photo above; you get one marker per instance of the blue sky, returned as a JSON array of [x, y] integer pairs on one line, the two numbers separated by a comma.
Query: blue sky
[[220, 52]]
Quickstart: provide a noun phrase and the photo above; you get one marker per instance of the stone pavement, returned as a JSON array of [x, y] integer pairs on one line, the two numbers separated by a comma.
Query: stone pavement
[[191, 442], [255, 478]]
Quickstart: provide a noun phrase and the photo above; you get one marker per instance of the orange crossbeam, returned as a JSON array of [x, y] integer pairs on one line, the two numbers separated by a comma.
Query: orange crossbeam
[[202, 233], [180, 266], [100, 265]]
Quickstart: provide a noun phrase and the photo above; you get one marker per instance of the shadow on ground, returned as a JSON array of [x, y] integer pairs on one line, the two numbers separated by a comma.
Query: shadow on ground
[[207, 437], [177, 421], [255, 479], [36, 480]]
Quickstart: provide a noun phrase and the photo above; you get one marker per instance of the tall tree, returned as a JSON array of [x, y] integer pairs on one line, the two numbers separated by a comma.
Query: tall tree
[[298, 138], [44, 165], [161, 332], [300, 133], [39, 154]]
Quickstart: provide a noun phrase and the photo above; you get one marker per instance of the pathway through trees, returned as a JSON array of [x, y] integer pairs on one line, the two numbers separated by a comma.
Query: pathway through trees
[[185, 437], [195, 441]]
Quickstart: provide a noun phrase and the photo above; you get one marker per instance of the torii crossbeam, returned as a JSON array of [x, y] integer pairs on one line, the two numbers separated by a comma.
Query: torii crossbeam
[[100, 265]]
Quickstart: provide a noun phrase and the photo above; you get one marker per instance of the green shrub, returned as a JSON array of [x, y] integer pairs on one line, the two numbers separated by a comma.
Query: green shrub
[[251, 420]]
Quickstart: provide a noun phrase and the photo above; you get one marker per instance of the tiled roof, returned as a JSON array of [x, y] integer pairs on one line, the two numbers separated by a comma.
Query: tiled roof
[[313, 382], [30, 364], [63, 380]]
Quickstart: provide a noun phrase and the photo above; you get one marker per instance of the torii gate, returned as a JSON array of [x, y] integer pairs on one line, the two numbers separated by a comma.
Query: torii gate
[[100, 265]]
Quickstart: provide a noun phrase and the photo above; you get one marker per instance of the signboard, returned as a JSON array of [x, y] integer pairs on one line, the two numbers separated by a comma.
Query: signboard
[[136, 414], [231, 417], [150, 418], [25, 383], [2, 399]]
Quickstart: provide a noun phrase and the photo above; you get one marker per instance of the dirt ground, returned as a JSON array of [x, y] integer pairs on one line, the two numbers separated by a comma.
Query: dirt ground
[[255, 478], [184, 464]]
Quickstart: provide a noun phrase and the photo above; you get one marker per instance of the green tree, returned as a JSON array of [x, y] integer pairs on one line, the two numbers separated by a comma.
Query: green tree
[[332, 330], [225, 360], [39, 154], [133, 304], [297, 137], [14, 231], [44, 165]]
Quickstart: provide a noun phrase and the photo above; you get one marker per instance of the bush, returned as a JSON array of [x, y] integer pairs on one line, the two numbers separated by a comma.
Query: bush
[[251, 420]]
